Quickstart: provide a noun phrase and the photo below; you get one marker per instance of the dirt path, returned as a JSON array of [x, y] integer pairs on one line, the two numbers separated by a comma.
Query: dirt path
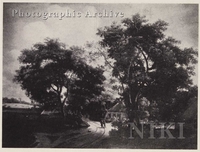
[[74, 138]]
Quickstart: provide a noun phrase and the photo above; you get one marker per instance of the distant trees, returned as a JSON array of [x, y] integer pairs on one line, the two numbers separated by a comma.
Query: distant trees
[[13, 100], [51, 73], [146, 62]]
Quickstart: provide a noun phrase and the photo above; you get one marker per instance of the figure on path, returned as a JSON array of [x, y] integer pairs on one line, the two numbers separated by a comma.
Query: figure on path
[[102, 116]]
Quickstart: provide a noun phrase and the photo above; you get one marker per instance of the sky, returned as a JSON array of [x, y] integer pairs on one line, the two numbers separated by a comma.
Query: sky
[[25, 24]]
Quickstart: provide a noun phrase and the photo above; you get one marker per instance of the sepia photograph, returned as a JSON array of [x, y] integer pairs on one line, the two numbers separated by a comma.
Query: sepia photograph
[[100, 75]]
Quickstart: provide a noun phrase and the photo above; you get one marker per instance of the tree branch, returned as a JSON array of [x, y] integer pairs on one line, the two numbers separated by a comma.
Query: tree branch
[[54, 89], [60, 89], [105, 58], [64, 99], [147, 65], [146, 58], [128, 73], [111, 66]]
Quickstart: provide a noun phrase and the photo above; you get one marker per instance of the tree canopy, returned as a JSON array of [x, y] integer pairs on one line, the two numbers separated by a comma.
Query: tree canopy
[[146, 62], [51, 73], [143, 59]]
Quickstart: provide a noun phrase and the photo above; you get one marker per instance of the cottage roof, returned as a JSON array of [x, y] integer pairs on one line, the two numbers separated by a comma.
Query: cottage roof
[[119, 107]]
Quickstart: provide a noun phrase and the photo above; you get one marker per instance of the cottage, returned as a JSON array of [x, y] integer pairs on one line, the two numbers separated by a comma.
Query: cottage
[[117, 112]]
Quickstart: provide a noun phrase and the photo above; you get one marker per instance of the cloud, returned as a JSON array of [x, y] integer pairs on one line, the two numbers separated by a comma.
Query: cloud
[[35, 32], [23, 32], [13, 90]]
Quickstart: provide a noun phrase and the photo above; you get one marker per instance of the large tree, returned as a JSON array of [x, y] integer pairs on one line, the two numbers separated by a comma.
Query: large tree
[[146, 62], [51, 73]]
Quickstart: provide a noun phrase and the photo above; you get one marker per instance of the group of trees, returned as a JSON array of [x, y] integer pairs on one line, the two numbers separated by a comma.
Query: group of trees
[[51, 73], [13, 100], [145, 62]]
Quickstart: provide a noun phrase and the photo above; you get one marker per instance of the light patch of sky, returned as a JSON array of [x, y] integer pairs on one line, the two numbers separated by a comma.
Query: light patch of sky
[[78, 30]]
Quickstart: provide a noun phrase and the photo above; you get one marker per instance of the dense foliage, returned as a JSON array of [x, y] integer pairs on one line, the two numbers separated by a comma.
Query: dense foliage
[[146, 62], [50, 73]]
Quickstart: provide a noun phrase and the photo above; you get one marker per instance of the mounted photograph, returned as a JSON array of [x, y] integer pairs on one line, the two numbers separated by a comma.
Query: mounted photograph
[[100, 75]]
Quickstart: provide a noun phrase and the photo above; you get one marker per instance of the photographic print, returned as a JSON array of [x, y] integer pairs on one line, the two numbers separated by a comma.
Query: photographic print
[[100, 75]]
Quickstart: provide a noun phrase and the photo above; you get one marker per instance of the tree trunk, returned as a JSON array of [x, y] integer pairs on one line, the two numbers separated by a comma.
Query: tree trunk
[[61, 105], [133, 107]]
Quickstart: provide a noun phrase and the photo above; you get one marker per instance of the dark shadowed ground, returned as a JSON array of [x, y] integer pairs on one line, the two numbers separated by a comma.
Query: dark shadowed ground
[[44, 133]]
